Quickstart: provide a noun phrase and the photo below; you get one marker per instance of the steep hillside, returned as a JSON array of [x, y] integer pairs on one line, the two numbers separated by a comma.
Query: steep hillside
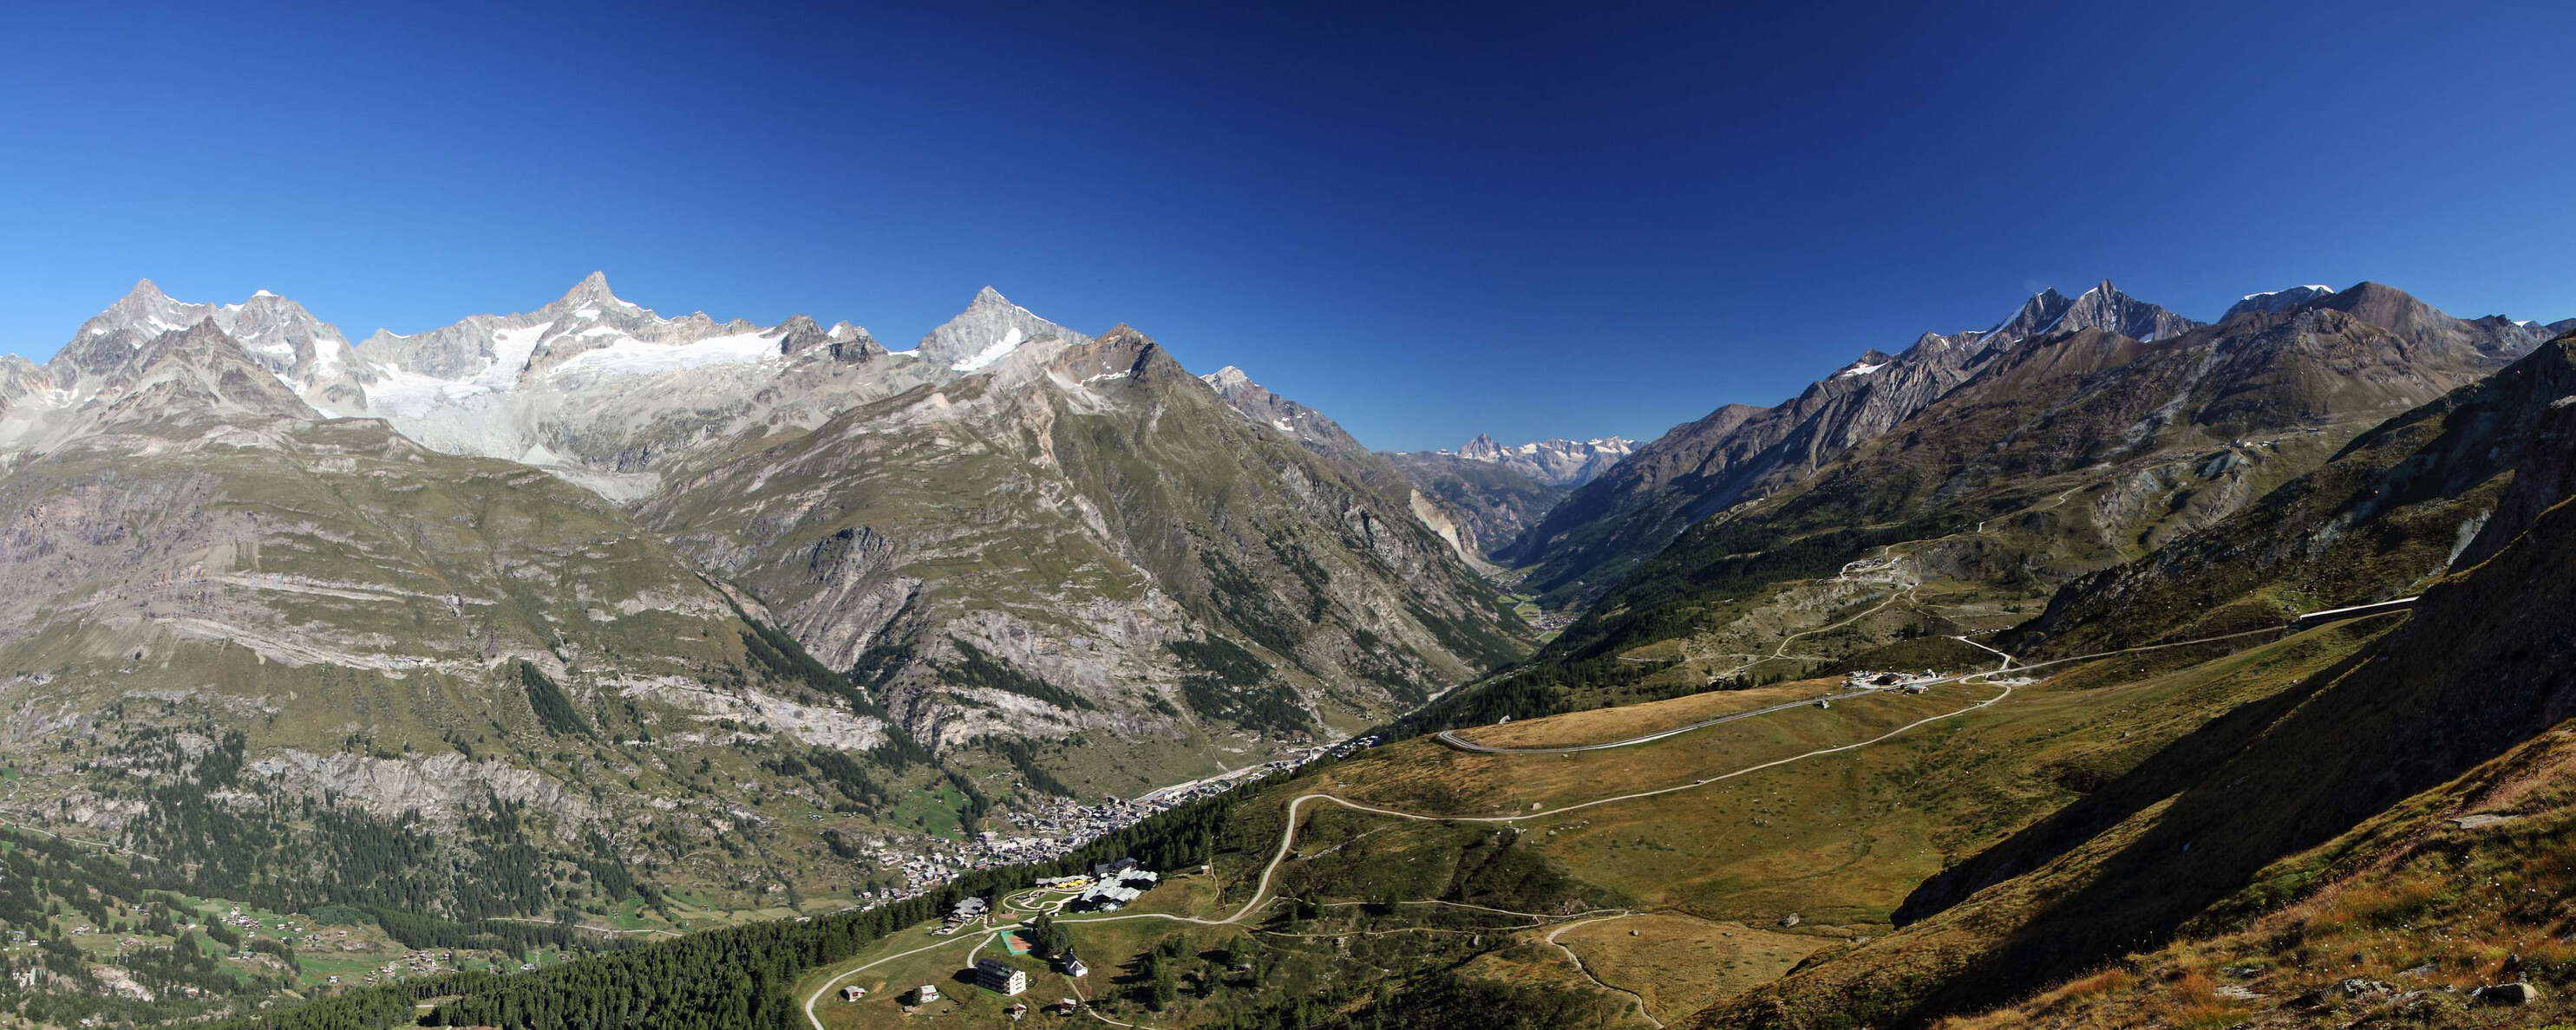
[[1737, 454], [301, 664], [2389, 511], [2442, 911], [2209, 833], [1492, 503], [2062, 455], [1086, 543], [1496, 493], [269, 659]]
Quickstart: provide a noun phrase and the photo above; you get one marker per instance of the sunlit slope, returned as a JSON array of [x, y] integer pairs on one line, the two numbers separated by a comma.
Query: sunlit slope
[[1448, 872], [2195, 836]]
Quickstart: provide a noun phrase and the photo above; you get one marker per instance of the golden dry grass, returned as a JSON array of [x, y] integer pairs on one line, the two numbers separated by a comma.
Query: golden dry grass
[[1605, 724], [1680, 964]]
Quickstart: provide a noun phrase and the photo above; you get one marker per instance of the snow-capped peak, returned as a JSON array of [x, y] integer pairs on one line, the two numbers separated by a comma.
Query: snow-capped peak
[[2278, 300], [990, 329], [1227, 378], [2310, 288], [1559, 462]]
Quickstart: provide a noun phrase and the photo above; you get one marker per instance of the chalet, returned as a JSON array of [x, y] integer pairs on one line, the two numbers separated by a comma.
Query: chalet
[[925, 994], [853, 993], [1072, 965], [1108, 898], [1000, 977]]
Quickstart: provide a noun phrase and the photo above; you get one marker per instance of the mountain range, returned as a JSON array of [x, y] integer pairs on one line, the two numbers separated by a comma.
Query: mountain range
[[543, 628], [737, 611]]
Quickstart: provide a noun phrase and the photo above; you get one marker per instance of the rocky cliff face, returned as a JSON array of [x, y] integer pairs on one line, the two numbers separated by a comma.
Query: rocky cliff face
[[1486, 494], [2388, 512], [1483, 505], [1085, 539]]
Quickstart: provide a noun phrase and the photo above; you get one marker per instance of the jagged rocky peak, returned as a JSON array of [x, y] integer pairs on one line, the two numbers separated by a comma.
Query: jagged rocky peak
[[1557, 462], [144, 306], [592, 289], [276, 333], [1254, 400], [1870, 361], [990, 329], [200, 371], [843, 342], [1229, 378], [2103, 307]]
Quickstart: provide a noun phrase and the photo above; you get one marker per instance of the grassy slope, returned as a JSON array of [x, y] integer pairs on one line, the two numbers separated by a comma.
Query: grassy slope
[[2067, 455], [2193, 836], [202, 575], [2433, 897], [1837, 839]]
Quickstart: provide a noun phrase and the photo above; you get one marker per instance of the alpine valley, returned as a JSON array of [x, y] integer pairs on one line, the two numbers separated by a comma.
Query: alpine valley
[[590, 668]]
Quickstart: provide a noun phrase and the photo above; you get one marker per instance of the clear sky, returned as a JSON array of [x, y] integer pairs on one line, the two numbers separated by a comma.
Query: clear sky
[[1557, 220]]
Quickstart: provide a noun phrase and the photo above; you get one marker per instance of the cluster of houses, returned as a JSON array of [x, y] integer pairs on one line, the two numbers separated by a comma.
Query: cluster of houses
[[1110, 885], [1909, 682], [1058, 829], [1114, 885]]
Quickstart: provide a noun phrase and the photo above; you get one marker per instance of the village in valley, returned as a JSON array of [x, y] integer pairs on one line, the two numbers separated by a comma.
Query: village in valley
[[1053, 830]]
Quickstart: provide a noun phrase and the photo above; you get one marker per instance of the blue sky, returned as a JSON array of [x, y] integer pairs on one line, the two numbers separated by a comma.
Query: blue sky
[[1557, 220]]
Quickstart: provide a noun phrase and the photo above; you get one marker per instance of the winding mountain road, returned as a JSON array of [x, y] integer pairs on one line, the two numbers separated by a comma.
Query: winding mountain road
[[2011, 663], [1261, 892], [980, 931]]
